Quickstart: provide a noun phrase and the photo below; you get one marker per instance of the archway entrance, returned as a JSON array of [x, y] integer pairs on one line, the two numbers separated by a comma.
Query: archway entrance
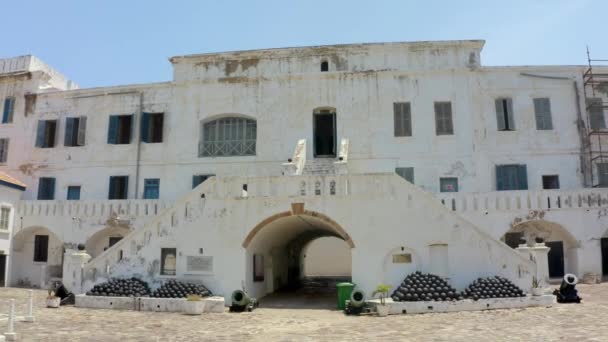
[[37, 258], [295, 260], [563, 253]]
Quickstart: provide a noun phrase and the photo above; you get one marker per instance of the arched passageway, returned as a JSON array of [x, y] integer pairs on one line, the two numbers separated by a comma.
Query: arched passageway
[[563, 253], [37, 257], [278, 250]]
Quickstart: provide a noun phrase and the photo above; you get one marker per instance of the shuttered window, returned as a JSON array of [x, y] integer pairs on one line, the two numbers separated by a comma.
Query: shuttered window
[[3, 150], [228, 137], [443, 118], [5, 213], [119, 187], [46, 188], [406, 173], [542, 113], [151, 188], [511, 177], [504, 114], [596, 114], [448, 184], [41, 248], [152, 127], [119, 129], [73, 193], [402, 118], [8, 110], [45, 133], [602, 175], [198, 179], [75, 130]]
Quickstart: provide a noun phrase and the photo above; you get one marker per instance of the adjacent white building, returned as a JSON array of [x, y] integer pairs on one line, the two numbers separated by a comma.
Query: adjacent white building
[[309, 143]]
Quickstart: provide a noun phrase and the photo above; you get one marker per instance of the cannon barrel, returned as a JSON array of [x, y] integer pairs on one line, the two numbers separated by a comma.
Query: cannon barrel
[[239, 297], [357, 298]]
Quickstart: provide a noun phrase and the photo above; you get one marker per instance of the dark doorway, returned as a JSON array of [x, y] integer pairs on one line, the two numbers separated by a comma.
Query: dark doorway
[[2, 270], [604, 243], [556, 259], [324, 132]]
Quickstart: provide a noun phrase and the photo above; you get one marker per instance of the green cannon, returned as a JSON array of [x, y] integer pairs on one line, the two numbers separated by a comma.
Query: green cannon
[[242, 302], [356, 304]]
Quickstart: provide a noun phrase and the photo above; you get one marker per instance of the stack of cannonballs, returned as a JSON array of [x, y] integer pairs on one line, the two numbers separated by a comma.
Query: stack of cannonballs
[[424, 287], [492, 287], [121, 288], [176, 289]]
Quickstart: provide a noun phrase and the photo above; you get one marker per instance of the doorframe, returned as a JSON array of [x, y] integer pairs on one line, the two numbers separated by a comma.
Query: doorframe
[[603, 250], [563, 261], [314, 133]]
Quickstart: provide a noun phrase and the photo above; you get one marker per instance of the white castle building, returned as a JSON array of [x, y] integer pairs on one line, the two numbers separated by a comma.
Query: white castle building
[[255, 168]]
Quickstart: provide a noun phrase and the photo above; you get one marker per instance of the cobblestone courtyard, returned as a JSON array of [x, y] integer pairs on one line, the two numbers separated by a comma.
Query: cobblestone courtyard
[[584, 322]]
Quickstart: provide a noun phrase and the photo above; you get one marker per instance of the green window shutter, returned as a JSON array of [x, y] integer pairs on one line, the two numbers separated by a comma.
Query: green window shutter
[[69, 132], [145, 127], [522, 177], [407, 119], [196, 180], [510, 119], [3, 150], [113, 130], [500, 178], [500, 115], [82, 128], [125, 192], [542, 113], [131, 121], [9, 105], [397, 119], [112, 190], [40, 133]]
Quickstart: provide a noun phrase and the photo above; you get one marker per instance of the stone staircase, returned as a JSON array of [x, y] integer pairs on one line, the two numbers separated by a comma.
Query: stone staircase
[[320, 166]]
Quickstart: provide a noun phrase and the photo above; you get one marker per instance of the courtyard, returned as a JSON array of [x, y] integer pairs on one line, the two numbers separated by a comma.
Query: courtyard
[[582, 322]]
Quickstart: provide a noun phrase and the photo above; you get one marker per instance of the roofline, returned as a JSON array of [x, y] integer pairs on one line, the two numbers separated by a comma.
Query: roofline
[[12, 185], [104, 90], [479, 43]]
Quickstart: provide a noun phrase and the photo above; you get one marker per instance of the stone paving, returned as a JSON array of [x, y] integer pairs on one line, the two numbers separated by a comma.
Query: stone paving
[[584, 322]]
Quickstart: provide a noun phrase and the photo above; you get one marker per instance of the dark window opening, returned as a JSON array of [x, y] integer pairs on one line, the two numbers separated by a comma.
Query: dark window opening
[[46, 188], [152, 127], [119, 129], [504, 114], [551, 182], [151, 188], [73, 193], [448, 184], [324, 132], [406, 173], [41, 248], [3, 150], [324, 66], [511, 177], [45, 133], [514, 239], [198, 179], [113, 240], [119, 187], [602, 175]]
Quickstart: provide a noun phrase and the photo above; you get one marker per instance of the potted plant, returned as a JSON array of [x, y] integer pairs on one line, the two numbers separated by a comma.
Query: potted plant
[[52, 301], [194, 305], [382, 308], [536, 289]]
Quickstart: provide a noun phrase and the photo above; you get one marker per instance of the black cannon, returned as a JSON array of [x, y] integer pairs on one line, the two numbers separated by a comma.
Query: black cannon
[[242, 302], [567, 292], [356, 305]]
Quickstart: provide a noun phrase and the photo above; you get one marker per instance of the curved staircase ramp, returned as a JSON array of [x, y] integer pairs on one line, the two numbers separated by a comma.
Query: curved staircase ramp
[[491, 255]]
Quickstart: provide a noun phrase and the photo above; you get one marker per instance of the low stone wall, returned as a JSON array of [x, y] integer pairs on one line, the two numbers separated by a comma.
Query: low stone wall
[[398, 308], [212, 304]]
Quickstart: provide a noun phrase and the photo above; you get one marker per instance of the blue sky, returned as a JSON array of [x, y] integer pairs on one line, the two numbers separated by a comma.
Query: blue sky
[[112, 42]]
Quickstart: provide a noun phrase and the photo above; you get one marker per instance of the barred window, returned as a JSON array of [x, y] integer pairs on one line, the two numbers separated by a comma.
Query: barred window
[[228, 137], [443, 118]]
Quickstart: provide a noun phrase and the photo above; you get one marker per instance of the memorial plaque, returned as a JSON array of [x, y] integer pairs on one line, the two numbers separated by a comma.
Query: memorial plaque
[[199, 264]]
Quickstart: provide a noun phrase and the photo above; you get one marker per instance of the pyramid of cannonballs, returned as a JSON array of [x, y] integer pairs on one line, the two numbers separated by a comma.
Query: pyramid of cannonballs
[[492, 287], [121, 288], [424, 287]]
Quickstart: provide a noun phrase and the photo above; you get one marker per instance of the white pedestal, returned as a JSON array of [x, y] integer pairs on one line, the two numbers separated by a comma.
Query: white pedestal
[[73, 265]]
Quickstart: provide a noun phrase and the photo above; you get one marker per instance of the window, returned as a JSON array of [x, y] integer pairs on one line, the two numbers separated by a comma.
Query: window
[[151, 188], [542, 112], [168, 261], [513, 239], [443, 118], [551, 182], [511, 177], [402, 119], [596, 113], [3, 150], [228, 137], [9, 109], [198, 179], [113, 240], [119, 129], [46, 188], [45, 133], [119, 187], [324, 66], [448, 184], [504, 114], [5, 213], [152, 127], [602, 175], [73, 193], [41, 248], [75, 129], [258, 267], [406, 172]]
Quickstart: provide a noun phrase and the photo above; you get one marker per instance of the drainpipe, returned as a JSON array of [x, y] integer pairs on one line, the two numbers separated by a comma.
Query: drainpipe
[[138, 135]]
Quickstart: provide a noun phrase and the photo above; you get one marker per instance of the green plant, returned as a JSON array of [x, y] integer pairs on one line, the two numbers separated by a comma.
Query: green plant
[[382, 290], [193, 298], [535, 283]]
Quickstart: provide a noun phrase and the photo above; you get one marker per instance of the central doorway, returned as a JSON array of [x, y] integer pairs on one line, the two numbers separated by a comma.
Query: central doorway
[[324, 133], [556, 259], [604, 245]]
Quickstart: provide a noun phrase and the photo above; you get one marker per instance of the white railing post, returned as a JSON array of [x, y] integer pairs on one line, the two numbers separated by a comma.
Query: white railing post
[[30, 307], [10, 334]]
